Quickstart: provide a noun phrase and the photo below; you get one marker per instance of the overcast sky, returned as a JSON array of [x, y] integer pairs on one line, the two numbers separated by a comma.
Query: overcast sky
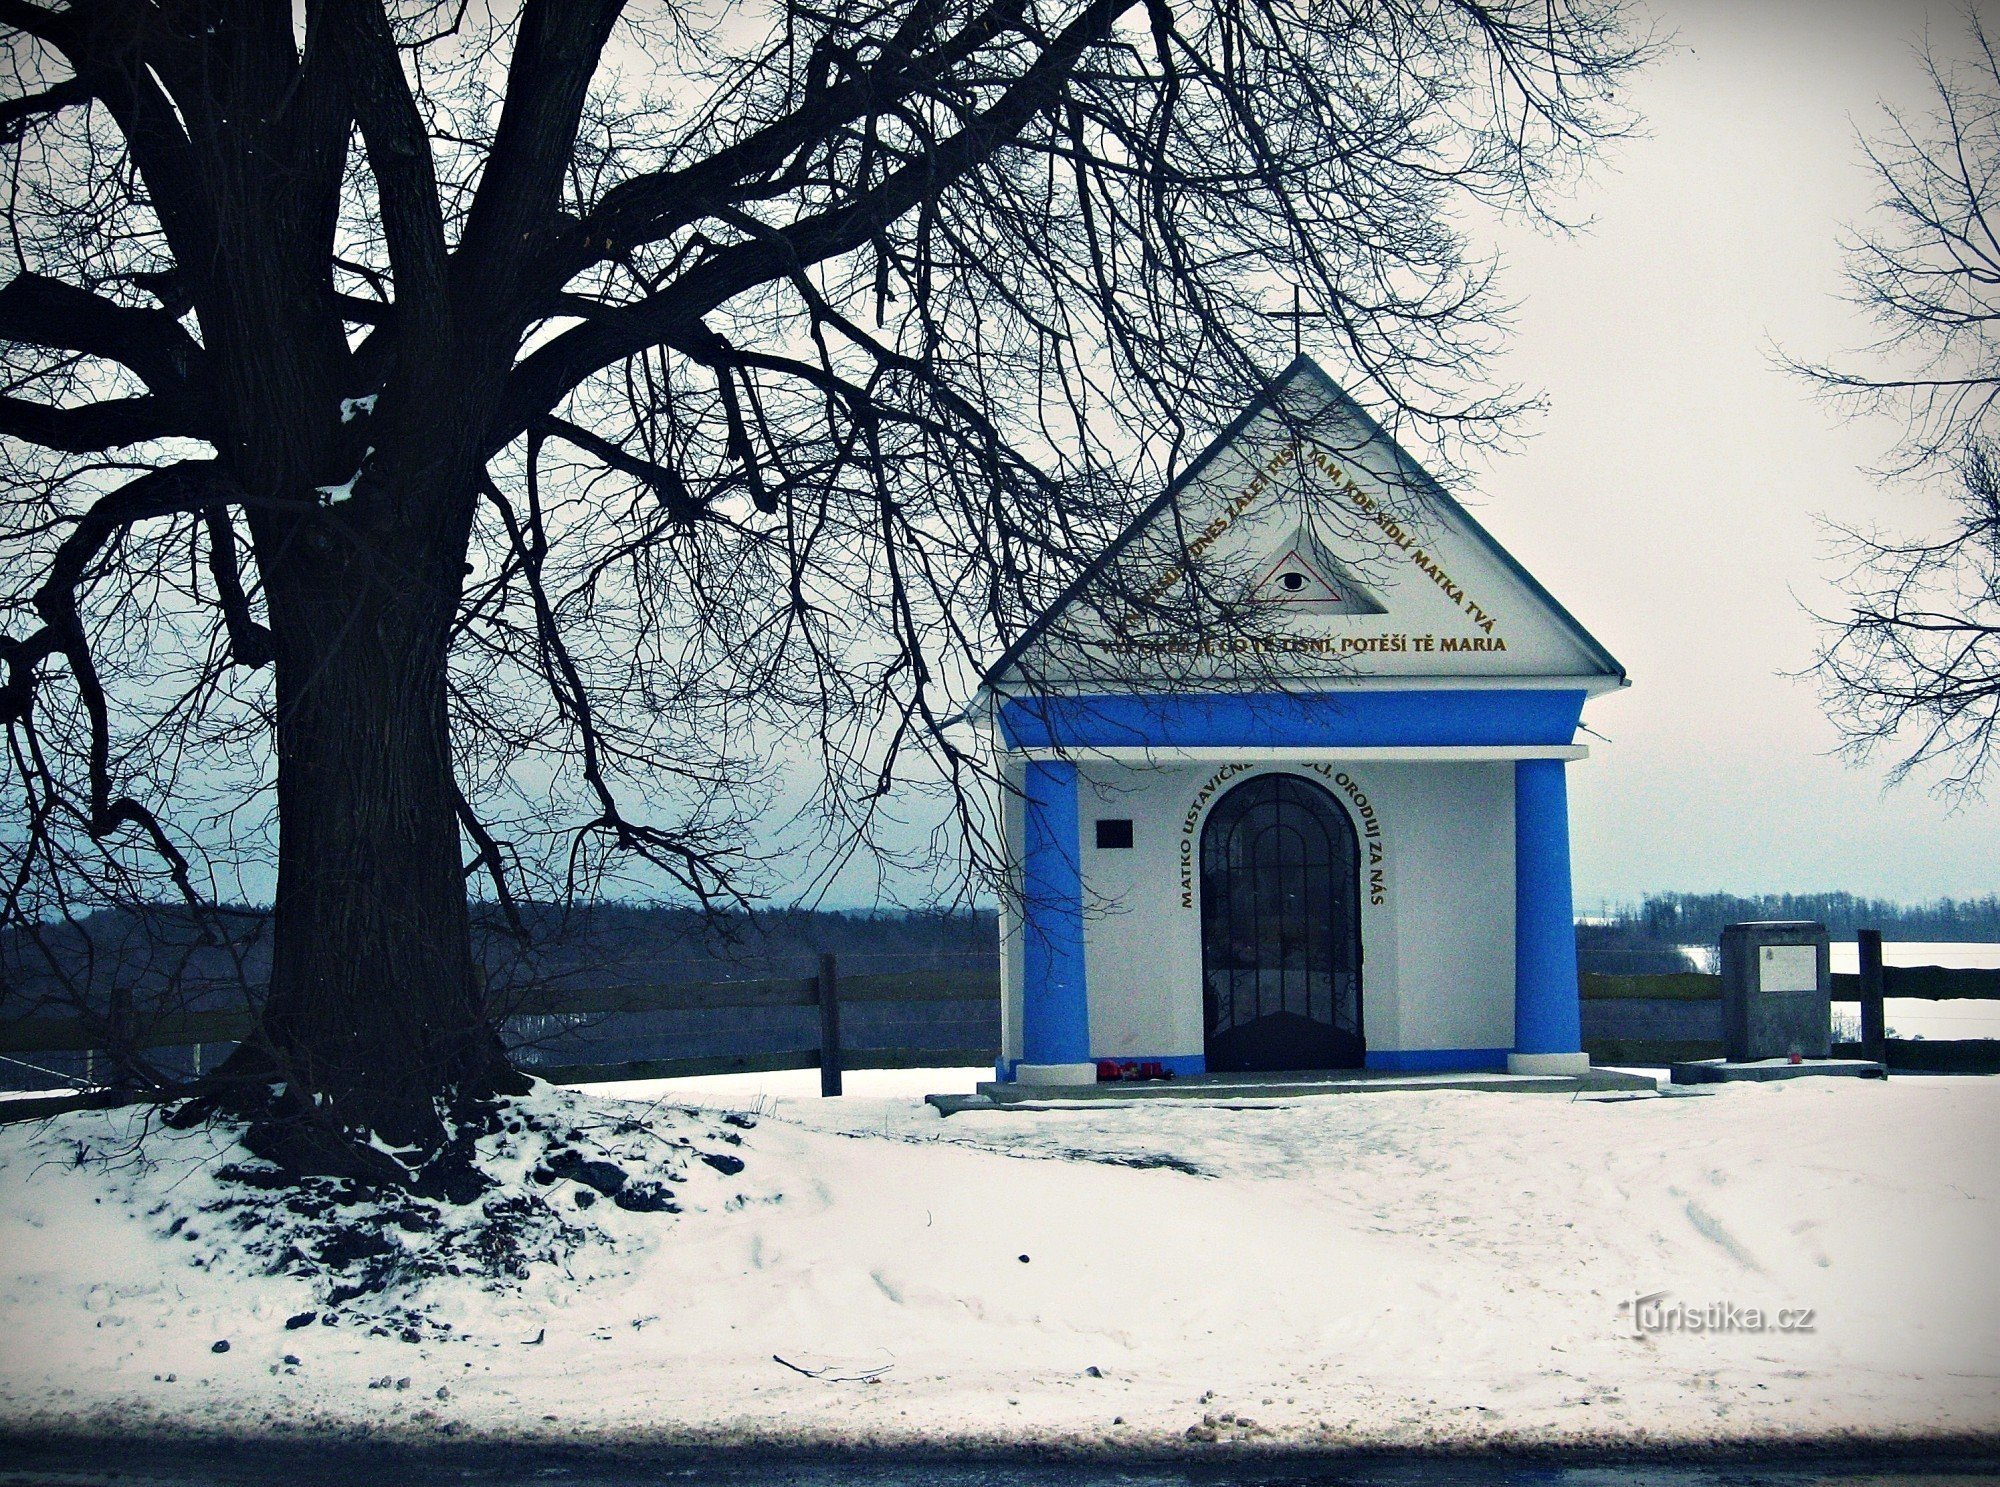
[[1672, 494], [1669, 496]]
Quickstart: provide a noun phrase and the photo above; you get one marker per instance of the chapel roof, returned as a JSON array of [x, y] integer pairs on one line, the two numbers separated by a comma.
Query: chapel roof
[[1305, 385]]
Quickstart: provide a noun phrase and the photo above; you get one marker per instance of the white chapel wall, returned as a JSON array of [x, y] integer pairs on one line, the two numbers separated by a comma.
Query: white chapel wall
[[1454, 897], [1142, 951], [1437, 890]]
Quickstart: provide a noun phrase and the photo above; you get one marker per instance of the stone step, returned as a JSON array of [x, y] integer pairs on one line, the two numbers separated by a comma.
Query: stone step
[[1235, 1088], [1724, 1071]]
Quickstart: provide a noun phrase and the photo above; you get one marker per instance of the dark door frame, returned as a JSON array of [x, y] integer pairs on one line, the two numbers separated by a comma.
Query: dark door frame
[[1281, 924]]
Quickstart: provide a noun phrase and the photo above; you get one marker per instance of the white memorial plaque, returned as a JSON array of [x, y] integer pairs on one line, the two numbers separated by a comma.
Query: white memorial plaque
[[1788, 968]]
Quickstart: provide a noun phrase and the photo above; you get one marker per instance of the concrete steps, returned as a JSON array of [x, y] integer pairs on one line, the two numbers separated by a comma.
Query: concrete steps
[[1231, 1089]]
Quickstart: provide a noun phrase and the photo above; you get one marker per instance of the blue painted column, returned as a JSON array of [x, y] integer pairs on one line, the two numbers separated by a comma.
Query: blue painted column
[[1055, 1017], [1548, 1026]]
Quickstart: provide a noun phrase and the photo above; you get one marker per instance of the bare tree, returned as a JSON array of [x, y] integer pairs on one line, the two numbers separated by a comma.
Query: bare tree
[[1915, 665], [476, 445]]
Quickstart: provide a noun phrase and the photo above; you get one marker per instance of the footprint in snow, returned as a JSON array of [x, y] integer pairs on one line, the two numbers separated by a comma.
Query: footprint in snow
[[1709, 1227]]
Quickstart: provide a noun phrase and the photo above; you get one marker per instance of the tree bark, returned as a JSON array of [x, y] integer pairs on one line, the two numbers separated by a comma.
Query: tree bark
[[375, 1010]]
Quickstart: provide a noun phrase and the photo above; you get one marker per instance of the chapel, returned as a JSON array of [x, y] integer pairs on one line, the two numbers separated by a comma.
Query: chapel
[[1286, 776]]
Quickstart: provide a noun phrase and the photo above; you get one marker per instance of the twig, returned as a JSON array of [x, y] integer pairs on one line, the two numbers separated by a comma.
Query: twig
[[827, 1376]]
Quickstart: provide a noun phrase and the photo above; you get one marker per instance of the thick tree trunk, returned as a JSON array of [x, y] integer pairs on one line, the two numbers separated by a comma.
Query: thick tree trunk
[[375, 1012], [374, 1015]]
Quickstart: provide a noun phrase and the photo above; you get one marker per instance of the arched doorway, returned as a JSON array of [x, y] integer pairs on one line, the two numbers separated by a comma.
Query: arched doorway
[[1280, 929]]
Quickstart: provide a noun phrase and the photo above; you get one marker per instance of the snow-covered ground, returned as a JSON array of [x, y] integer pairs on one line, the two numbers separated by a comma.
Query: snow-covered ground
[[1380, 1268]]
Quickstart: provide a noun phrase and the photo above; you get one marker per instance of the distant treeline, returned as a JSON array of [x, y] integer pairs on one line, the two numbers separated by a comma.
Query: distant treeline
[[160, 958], [1699, 918], [634, 943]]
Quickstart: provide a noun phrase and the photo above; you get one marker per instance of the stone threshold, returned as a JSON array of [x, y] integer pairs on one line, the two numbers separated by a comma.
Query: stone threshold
[[1727, 1071]]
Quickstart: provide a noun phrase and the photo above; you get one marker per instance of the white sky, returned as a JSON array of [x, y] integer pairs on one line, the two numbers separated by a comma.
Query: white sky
[[1669, 497]]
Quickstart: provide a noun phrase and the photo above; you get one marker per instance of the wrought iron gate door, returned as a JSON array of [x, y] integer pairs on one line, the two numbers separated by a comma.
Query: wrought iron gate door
[[1281, 929]]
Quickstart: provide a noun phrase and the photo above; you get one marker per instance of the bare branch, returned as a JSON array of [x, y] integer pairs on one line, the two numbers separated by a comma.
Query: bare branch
[[174, 490], [664, 480], [48, 313], [399, 153], [249, 642], [649, 207], [490, 858], [549, 373], [556, 54], [1915, 666], [18, 115], [36, 21], [93, 427]]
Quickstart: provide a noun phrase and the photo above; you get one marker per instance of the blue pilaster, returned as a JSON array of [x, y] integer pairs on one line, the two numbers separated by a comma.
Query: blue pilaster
[[1055, 1016], [1546, 1016]]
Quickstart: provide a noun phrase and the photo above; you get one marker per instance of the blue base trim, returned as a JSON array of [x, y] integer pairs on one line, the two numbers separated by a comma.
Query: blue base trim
[[1297, 720], [1445, 1060]]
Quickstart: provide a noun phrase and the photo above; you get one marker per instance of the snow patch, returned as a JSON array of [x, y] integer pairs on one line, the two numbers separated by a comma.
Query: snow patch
[[333, 495], [353, 408]]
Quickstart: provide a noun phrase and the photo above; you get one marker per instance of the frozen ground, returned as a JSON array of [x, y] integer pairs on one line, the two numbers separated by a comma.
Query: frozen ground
[[1395, 1269]]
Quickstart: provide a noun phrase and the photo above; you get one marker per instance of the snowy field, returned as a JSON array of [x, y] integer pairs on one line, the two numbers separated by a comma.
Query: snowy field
[[1908, 1018], [1396, 1269]]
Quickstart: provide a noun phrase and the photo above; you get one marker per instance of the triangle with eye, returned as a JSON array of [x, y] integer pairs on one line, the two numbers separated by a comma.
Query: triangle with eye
[[1304, 576]]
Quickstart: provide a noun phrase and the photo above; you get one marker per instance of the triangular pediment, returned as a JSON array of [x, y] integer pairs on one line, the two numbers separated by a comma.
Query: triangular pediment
[[1303, 546], [1305, 577]]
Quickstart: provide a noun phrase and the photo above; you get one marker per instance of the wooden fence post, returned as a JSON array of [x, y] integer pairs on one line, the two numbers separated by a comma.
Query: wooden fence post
[[829, 1028], [1874, 1026], [118, 1033]]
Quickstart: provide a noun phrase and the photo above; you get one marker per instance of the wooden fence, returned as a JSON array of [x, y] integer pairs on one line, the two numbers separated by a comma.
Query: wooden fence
[[1698, 996], [825, 991], [1867, 989]]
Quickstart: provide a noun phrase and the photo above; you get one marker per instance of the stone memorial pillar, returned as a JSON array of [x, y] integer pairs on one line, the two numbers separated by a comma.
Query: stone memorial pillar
[[1776, 991]]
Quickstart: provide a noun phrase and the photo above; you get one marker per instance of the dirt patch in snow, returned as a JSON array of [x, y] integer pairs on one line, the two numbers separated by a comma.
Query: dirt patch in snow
[[524, 1185]]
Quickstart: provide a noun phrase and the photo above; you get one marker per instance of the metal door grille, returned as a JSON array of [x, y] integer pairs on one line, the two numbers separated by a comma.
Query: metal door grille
[[1281, 932]]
